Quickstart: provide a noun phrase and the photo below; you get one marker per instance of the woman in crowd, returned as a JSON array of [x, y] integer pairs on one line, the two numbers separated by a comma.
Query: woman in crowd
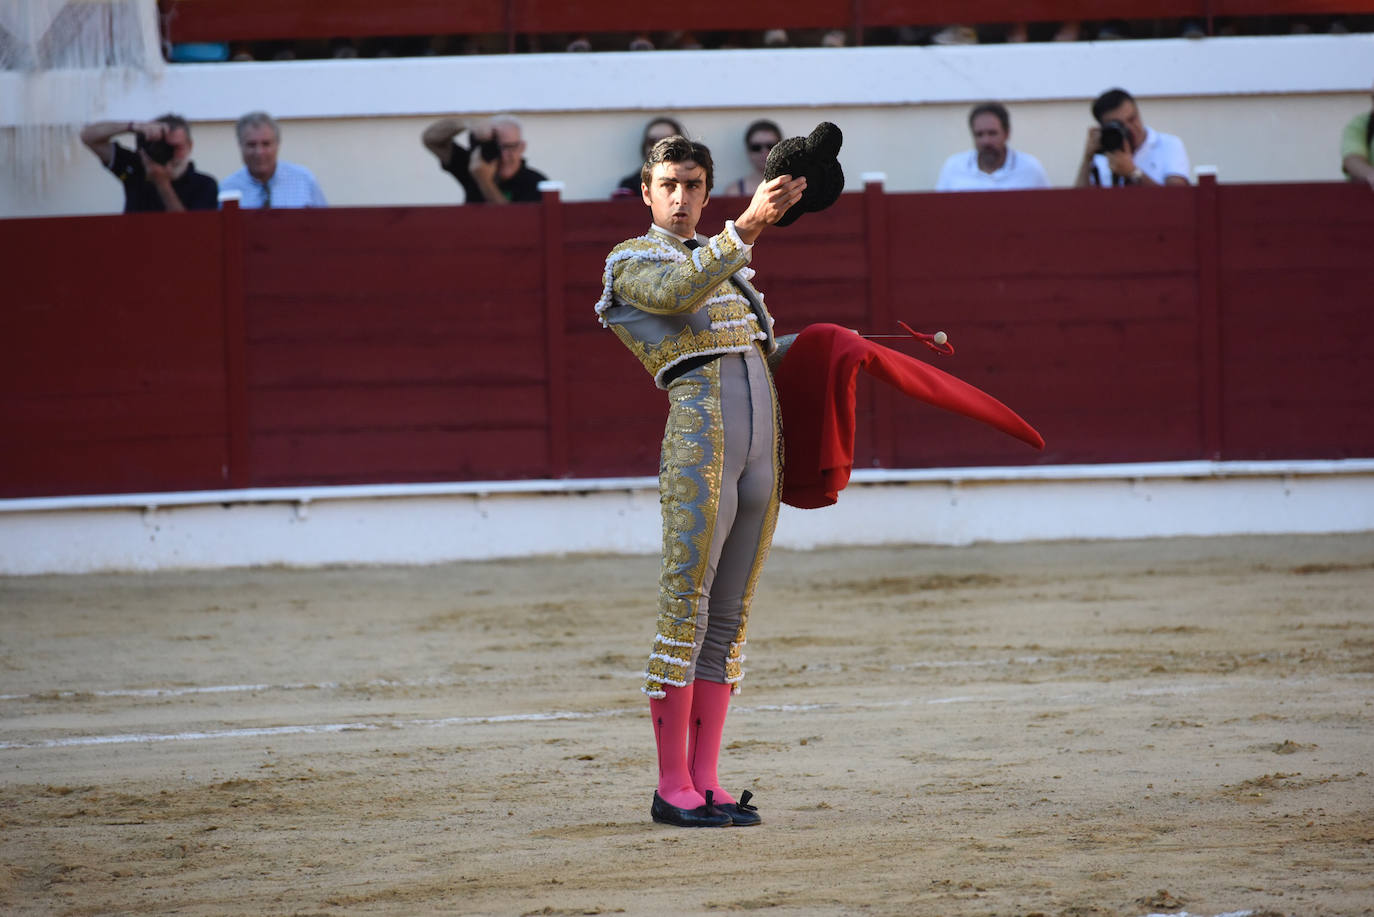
[[759, 139]]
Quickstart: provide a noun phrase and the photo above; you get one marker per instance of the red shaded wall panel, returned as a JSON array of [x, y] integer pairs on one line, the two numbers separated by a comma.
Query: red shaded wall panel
[[406, 345], [408, 406], [361, 250], [1087, 233], [1298, 342], [631, 15], [1081, 317], [923, 12], [113, 374], [151, 465], [228, 20], [1281, 227], [1287, 7], [616, 413], [589, 232], [306, 458], [412, 344], [820, 272], [224, 20]]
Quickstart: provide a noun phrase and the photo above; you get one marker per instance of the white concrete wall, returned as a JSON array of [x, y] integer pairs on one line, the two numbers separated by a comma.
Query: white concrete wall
[[424, 524], [1260, 109]]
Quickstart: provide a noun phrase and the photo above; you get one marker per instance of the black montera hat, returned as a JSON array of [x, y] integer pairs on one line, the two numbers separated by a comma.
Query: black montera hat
[[815, 156]]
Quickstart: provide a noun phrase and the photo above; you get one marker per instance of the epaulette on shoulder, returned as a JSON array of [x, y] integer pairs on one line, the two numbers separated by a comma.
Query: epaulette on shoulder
[[648, 247]]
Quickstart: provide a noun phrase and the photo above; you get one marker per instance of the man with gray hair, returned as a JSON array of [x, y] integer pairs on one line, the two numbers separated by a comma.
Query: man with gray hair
[[492, 167], [266, 181]]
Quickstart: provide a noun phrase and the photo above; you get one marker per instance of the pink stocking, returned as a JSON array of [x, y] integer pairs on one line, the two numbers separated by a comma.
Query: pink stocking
[[672, 715], [709, 705]]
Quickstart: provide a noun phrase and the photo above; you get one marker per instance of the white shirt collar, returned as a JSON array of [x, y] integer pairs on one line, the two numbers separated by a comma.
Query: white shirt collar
[[1007, 162], [654, 227]]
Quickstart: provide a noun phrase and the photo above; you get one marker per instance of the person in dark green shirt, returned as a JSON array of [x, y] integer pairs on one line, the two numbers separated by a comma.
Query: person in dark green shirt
[[1356, 159]]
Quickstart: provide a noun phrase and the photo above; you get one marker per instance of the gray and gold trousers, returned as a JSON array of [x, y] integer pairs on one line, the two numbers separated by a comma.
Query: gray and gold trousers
[[720, 479], [720, 470]]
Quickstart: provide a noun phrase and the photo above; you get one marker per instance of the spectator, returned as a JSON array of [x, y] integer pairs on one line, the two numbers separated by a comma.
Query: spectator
[[1357, 157], [955, 35], [159, 174], [759, 139], [266, 181], [991, 165], [493, 169], [1121, 150], [654, 131]]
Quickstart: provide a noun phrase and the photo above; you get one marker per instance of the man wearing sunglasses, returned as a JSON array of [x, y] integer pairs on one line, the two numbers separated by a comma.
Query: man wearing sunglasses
[[492, 168]]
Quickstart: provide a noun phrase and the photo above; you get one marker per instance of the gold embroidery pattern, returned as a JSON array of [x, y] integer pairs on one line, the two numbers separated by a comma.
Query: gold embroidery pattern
[[732, 309], [686, 343], [666, 303], [654, 276], [690, 469]]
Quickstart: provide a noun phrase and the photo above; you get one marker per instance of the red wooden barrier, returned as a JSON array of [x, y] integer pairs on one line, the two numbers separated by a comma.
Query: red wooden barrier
[[1297, 321], [229, 20], [112, 359], [402, 344], [459, 343]]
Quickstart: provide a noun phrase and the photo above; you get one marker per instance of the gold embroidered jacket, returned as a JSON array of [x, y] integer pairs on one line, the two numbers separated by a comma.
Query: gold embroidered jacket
[[668, 303]]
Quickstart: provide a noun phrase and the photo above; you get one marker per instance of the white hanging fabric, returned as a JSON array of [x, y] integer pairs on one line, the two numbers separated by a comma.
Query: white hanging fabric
[[59, 59]]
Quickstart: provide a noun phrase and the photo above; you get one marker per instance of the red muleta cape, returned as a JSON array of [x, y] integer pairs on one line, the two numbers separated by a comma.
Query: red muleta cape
[[815, 383]]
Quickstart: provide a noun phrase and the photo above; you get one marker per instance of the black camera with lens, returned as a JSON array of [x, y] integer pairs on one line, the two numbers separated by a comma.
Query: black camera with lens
[[1114, 137], [491, 149], [159, 151]]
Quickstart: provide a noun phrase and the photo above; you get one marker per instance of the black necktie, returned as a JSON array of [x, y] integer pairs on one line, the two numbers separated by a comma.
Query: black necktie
[[266, 195], [691, 244]]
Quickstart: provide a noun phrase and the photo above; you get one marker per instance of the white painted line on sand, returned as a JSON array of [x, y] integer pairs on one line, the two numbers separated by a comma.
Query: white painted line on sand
[[231, 689], [191, 690], [317, 728], [304, 729]]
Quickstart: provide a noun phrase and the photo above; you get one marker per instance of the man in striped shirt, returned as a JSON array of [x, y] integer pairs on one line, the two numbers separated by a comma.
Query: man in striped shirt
[[266, 181]]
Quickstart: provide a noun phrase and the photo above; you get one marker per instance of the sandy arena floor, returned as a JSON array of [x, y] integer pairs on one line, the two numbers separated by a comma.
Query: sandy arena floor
[[1116, 728]]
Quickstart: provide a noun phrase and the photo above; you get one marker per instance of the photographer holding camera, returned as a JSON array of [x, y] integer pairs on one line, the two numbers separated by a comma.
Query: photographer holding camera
[[159, 174], [1121, 150], [493, 169]]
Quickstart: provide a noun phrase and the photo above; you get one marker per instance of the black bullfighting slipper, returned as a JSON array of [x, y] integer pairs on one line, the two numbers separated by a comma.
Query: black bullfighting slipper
[[707, 816], [742, 814]]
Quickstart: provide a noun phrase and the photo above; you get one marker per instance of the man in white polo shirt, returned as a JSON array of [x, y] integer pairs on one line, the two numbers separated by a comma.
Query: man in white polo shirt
[[991, 165], [1121, 150]]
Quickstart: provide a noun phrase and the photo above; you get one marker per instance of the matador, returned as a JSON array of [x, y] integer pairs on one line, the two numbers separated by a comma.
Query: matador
[[685, 306]]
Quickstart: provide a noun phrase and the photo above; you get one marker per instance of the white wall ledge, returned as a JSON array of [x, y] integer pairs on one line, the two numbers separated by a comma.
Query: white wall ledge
[[1005, 474], [445, 522], [779, 78]]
